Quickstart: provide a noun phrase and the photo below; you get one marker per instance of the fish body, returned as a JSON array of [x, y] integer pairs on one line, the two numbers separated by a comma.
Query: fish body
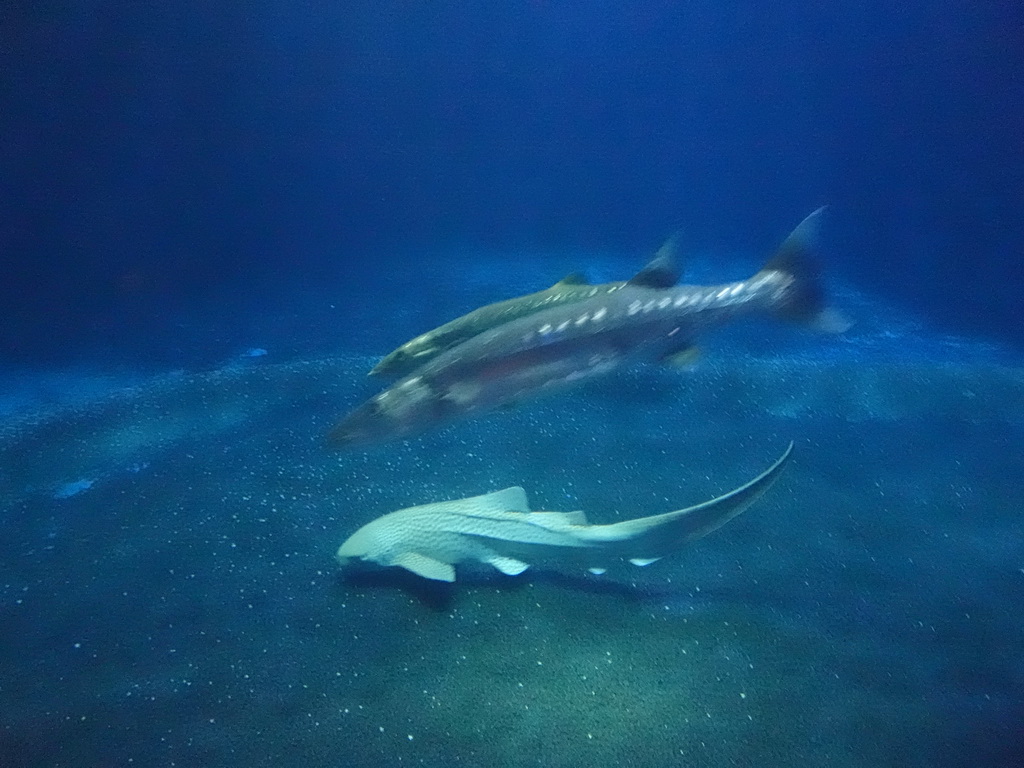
[[500, 530], [660, 272], [567, 345]]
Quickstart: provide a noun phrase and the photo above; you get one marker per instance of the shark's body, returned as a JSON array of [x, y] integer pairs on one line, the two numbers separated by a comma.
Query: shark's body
[[659, 273], [567, 345], [500, 530]]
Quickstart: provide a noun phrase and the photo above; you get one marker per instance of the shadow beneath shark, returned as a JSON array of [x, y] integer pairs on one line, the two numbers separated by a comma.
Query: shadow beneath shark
[[441, 596], [436, 595]]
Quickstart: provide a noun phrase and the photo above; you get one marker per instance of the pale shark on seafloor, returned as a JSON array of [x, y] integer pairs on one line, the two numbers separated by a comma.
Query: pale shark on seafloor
[[499, 529], [660, 272]]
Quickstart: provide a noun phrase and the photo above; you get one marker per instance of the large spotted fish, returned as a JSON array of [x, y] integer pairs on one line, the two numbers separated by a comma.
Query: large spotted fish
[[567, 345], [659, 273]]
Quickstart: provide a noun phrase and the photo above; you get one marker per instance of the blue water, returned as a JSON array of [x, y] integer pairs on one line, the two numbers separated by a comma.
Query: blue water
[[170, 595], [215, 220]]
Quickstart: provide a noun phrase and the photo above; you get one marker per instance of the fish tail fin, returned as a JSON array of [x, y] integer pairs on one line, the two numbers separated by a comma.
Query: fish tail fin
[[804, 298]]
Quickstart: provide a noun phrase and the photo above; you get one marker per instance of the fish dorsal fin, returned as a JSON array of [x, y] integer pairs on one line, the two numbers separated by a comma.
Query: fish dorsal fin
[[508, 565], [573, 278], [669, 252], [424, 566], [660, 272]]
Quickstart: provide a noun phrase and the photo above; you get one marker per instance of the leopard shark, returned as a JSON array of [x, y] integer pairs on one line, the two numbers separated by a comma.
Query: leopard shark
[[498, 529], [660, 272], [567, 345]]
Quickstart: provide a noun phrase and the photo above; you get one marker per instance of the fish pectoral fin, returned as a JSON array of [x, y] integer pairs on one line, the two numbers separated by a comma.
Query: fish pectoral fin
[[682, 357], [508, 565], [424, 566], [642, 561]]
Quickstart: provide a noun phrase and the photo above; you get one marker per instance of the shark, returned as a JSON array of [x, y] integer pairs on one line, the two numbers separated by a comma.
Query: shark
[[499, 530], [660, 272], [564, 346]]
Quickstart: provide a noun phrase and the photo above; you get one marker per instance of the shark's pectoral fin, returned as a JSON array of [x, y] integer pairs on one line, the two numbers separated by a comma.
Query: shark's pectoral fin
[[642, 561], [508, 565], [424, 566]]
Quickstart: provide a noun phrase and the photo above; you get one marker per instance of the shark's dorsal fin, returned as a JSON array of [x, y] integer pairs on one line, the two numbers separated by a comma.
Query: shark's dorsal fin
[[557, 521], [506, 500], [576, 517], [424, 566], [660, 272], [573, 278]]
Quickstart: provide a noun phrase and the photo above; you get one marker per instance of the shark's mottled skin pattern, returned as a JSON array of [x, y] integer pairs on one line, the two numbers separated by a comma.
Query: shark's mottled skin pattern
[[500, 530], [564, 346]]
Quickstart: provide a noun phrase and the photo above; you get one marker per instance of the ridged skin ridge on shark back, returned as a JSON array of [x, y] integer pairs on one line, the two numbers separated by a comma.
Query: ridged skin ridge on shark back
[[498, 529], [660, 272], [567, 345]]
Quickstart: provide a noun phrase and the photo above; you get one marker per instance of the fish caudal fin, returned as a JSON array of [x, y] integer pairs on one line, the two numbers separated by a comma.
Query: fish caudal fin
[[804, 300]]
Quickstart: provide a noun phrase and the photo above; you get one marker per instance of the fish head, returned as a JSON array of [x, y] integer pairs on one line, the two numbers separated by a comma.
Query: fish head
[[408, 407]]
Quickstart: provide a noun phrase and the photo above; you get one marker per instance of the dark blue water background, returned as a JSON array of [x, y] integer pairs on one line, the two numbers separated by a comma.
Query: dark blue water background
[[189, 164], [214, 218]]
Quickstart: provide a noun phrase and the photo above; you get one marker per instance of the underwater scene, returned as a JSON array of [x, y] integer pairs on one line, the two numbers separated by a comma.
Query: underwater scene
[[171, 594], [550, 385]]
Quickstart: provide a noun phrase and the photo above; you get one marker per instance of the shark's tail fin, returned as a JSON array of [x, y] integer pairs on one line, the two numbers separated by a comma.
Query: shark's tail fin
[[646, 539], [804, 300]]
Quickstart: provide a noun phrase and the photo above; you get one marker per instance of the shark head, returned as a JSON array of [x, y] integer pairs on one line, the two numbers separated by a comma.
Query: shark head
[[390, 540], [361, 545]]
